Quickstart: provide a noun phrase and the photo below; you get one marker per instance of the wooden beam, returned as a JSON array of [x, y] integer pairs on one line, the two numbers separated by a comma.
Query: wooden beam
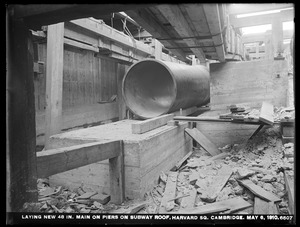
[[121, 103], [169, 193], [53, 161], [157, 49], [112, 34], [117, 176], [286, 15], [80, 45], [176, 18], [277, 36], [181, 161], [147, 21], [214, 24], [186, 112], [290, 188], [259, 191], [21, 176], [54, 80], [287, 34], [264, 207], [203, 141], [150, 124], [37, 15], [195, 119], [254, 8], [232, 205]]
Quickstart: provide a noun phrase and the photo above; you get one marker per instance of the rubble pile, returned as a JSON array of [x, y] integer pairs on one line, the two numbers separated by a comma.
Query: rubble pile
[[281, 113], [63, 200], [261, 160], [230, 182]]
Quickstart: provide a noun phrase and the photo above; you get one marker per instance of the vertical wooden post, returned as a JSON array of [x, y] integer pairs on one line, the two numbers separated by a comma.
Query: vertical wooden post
[[157, 49], [193, 60], [268, 45], [54, 80], [121, 103], [21, 175], [117, 177], [257, 50], [277, 35]]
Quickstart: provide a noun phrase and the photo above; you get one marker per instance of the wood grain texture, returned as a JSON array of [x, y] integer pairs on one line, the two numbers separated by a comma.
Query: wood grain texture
[[258, 191], [169, 193], [54, 82], [264, 207], [150, 124], [117, 176], [232, 205], [290, 182], [203, 141], [50, 162]]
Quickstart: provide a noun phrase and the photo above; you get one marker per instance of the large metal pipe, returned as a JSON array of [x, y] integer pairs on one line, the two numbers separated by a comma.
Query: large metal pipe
[[153, 87]]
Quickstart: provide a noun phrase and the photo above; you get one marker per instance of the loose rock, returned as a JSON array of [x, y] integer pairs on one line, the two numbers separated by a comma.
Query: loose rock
[[268, 178], [243, 173]]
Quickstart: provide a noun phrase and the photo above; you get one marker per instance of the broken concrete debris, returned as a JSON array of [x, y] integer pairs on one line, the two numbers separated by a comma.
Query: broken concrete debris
[[257, 172], [243, 176]]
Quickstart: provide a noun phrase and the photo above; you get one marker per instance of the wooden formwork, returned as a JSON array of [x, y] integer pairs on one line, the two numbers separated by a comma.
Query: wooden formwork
[[145, 156]]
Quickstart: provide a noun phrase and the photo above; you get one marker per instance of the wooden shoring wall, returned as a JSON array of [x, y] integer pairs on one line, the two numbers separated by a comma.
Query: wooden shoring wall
[[93, 60]]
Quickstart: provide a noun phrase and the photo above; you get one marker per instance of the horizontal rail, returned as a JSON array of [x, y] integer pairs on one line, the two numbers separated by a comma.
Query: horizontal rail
[[53, 161], [214, 119]]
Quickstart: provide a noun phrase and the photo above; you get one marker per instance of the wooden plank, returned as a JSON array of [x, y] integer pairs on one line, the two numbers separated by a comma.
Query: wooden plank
[[36, 16], [254, 8], [232, 205], [74, 43], [148, 22], [260, 192], [182, 27], [289, 182], [157, 50], [131, 210], [203, 141], [53, 161], [195, 119], [256, 131], [112, 34], [216, 157], [54, 80], [179, 164], [169, 193], [260, 206], [117, 176], [264, 207], [220, 180], [189, 201], [121, 103], [286, 15], [266, 113], [186, 112], [277, 35], [272, 208], [252, 38], [213, 21], [150, 124]]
